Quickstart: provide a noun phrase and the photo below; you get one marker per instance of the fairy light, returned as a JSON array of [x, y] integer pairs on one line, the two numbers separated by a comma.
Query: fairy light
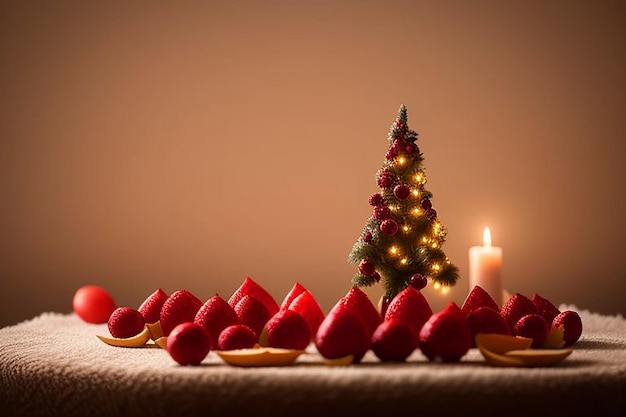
[[401, 160], [415, 192], [394, 250], [436, 267], [434, 245], [436, 286], [404, 261], [405, 228], [416, 211], [424, 239], [420, 178], [445, 289]]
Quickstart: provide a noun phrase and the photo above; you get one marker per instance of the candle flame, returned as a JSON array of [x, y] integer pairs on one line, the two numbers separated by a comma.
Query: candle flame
[[487, 237]]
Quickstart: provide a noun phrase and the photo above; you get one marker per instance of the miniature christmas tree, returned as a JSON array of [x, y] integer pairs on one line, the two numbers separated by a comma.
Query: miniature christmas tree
[[401, 243]]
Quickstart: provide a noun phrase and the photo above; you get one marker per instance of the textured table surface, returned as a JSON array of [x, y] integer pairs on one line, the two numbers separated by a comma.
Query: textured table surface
[[55, 365]]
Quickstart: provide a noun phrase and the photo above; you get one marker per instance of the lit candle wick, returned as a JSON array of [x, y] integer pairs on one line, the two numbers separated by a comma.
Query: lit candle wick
[[487, 238]]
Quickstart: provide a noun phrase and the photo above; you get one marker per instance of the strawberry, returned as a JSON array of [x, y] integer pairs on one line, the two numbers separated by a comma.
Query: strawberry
[[250, 287], [445, 335], [188, 343], [476, 298], [486, 320], [545, 308], [215, 315], [237, 336], [572, 326], [295, 291], [533, 326], [180, 307], [252, 313], [287, 329], [150, 309], [125, 322], [394, 340], [515, 308], [309, 308], [342, 333], [357, 301], [409, 306]]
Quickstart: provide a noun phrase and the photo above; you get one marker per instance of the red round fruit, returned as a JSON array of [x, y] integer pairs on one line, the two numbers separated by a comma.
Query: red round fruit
[[236, 336], [288, 329], [445, 335], [572, 325], [125, 322], [394, 341], [533, 326], [188, 343], [93, 304]]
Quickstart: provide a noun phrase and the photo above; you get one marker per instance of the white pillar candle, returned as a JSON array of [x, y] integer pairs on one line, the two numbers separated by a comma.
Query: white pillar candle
[[485, 267]]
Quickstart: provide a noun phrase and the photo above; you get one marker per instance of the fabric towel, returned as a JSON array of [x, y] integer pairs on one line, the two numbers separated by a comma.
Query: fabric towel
[[54, 365]]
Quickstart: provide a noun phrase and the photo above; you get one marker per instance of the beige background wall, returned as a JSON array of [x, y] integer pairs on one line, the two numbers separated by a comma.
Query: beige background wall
[[160, 145]]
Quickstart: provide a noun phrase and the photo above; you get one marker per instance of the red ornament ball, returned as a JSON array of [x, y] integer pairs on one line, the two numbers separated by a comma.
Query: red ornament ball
[[381, 213], [397, 146], [431, 213], [367, 237], [389, 227], [426, 204], [418, 281], [385, 179], [401, 191], [376, 200], [390, 154], [367, 268]]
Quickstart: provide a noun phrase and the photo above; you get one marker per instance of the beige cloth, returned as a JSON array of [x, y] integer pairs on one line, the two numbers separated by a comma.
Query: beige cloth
[[53, 365]]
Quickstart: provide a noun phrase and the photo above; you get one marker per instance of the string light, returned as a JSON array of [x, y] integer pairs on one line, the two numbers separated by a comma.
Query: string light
[[436, 286], [415, 192], [420, 178], [401, 160], [424, 239], [405, 228], [436, 267], [404, 261], [436, 227], [416, 211], [394, 250], [445, 290]]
